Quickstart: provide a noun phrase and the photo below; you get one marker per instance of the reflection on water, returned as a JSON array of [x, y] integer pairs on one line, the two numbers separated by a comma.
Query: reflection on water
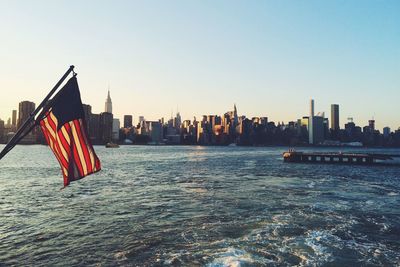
[[197, 206]]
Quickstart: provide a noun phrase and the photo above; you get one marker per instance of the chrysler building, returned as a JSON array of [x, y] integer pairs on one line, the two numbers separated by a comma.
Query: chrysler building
[[108, 105]]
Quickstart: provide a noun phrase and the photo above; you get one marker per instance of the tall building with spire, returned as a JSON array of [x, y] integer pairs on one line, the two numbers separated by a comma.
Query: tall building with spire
[[108, 105], [235, 116]]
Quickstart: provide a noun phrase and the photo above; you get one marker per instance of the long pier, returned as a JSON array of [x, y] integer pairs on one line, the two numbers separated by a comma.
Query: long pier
[[342, 158]]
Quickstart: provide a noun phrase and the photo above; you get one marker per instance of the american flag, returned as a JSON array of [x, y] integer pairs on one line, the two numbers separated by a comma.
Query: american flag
[[64, 127]]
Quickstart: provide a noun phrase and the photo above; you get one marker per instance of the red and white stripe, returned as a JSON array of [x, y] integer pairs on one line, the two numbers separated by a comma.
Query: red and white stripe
[[71, 147]]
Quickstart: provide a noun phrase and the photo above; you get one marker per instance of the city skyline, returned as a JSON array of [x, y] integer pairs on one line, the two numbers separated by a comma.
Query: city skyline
[[107, 104], [268, 57]]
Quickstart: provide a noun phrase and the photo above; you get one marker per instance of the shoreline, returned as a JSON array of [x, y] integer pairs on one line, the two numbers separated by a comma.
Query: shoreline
[[236, 145]]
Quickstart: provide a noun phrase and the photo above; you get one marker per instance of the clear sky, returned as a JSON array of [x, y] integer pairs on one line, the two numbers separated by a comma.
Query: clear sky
[[268, 57]]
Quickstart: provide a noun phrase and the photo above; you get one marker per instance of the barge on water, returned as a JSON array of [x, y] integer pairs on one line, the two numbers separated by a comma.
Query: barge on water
[[339, 157]]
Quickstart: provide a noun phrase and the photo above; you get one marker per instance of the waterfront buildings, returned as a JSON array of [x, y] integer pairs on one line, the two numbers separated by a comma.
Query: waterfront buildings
[[213, 129]]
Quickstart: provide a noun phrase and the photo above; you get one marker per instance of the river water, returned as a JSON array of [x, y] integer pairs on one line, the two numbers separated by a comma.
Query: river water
[[197, 206]]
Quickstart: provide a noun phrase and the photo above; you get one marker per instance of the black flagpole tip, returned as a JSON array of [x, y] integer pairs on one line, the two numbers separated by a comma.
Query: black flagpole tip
[[72, 69]]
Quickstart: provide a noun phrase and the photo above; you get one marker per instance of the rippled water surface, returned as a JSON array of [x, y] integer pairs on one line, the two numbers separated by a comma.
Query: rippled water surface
[[197, 206]]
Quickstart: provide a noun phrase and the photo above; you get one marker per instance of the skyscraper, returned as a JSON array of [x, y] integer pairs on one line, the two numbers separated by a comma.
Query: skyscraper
[[87, 110], [311, 123], [2, 131], [386, 132], [371, 125], [115, 129], [106, 127], [316, 128], [335, 117], [14, 119], [235, 116], [128, 121], [156, 132], [25, 110], [108, 104], [177, 121]]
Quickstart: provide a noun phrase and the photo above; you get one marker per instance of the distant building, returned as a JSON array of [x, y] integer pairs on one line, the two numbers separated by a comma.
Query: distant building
[[141, 119], [14, 119], [335, 117], [326, 128], [304, 121], [25, 110], [128, 120], [311, 124], [108, 104], [106, 127], [94, 129], [319, 130], [371, 125], [235, 116], [245, 131], [264, 121], [156, 132], [316, 126], [177, 121], [2, 135], [386, 132], [87, 111], [115, 129], [211, 121]]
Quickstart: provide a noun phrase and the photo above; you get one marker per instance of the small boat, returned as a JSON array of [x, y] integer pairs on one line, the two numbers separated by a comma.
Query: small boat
[[112, 145]]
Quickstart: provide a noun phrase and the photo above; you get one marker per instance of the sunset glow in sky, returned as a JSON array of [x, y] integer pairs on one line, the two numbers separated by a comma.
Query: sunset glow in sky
[[268, 57]]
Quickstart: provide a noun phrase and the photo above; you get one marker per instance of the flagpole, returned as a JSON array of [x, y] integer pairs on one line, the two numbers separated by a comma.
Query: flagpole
[[21, 133]]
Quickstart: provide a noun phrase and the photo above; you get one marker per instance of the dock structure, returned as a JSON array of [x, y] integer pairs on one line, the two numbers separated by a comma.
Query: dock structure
[[331, 157]]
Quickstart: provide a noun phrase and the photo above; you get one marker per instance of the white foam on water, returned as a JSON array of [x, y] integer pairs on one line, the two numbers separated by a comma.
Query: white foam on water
[[120, 256], [317, 241], [232, 257], [311, 185], [282, 218], [173, 258]]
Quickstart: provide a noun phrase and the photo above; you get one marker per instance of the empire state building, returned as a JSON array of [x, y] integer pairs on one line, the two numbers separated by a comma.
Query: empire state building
[[108, 104]]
